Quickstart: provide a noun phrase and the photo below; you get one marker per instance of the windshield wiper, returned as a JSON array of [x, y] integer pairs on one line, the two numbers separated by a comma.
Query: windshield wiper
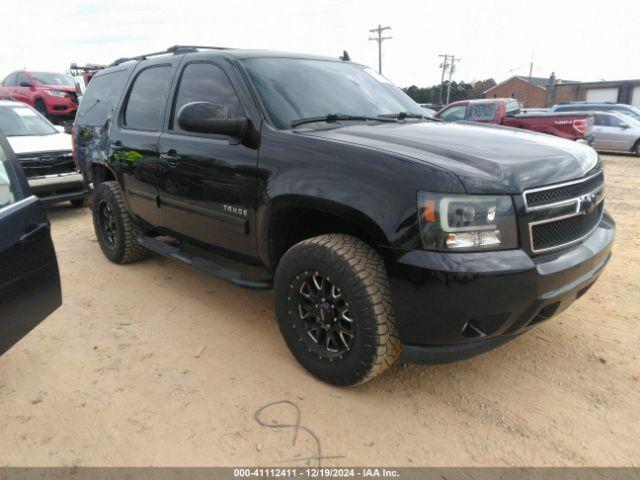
[[336, 117], [403, 115]]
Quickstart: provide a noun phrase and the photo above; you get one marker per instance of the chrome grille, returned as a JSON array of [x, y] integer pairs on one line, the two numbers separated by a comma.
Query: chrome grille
[[564, 213], [547, 195], [50, 163]]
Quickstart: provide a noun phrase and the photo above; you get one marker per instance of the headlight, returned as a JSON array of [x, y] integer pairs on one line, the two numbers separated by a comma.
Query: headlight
[[57, 93], [467, 222]]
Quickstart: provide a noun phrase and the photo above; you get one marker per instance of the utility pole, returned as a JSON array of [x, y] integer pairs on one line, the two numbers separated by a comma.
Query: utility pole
[[451, 70], [444, 66], [526, 92], [380, 39]]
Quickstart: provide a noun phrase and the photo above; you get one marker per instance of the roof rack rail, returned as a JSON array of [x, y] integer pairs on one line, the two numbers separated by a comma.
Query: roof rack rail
[[176, 50]]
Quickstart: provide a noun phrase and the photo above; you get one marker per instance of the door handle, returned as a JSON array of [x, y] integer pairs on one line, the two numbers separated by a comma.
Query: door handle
[[32, 231], [171, 157]]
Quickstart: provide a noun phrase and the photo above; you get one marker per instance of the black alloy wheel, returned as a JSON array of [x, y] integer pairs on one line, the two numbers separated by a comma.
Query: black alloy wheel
[[323, 320]]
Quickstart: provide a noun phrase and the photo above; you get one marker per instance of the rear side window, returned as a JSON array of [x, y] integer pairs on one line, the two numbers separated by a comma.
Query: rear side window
[[204, 82], [101, 98], [481, 111], [147, 98], [23, 80], [10, 81]]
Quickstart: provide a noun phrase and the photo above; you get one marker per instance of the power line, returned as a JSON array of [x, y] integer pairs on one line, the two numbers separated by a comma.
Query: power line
[[380, 39]]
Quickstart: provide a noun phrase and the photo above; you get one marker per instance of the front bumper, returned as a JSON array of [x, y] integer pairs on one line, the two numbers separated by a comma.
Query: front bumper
[[58, 188], [61, 106], [452, 306]]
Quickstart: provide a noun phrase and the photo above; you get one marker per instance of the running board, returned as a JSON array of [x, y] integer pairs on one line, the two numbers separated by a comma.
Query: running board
[[204, 264]]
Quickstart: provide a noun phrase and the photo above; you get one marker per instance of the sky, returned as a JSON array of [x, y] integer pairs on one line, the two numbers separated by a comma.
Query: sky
[[578, 39]]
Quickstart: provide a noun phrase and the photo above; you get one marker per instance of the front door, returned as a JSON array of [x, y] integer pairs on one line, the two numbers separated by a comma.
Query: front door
[[609, 133], [29, 280], [135, 133], [207, 182]]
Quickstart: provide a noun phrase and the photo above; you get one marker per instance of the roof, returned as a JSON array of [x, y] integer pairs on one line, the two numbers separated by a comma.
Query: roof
[[540, 82], [221, 51]]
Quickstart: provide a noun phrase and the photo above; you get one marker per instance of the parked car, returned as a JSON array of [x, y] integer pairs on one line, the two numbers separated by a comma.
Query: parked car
[[52, 94], [614, 132], [380, 229], [620, 108], [507, 112], [29, 279], [44, 152]]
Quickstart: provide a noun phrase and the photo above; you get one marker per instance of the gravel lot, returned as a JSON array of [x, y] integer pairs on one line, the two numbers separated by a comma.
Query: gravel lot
[[156, 363]]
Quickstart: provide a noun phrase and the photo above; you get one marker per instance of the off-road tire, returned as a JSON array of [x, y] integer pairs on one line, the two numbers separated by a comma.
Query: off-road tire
[[360, 273], [125, 248]]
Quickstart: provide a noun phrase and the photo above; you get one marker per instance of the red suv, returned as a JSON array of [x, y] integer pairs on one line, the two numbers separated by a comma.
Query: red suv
[[52, 94]]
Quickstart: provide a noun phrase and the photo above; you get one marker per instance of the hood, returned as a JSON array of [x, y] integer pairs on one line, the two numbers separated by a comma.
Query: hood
[[25, 144], [486, 158]]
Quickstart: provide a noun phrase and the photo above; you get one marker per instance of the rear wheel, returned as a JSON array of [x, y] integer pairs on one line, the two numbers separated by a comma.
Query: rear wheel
[[636, 149], [333, 305], [116, 230]]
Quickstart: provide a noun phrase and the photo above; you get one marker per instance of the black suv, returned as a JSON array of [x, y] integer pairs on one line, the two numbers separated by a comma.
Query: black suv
[[381, 230]]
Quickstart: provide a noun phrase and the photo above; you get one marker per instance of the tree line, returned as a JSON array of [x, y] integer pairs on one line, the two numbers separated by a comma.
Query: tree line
[[459, 91]]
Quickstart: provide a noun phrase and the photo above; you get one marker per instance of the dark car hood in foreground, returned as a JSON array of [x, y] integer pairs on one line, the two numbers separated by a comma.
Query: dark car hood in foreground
[[486, 158]]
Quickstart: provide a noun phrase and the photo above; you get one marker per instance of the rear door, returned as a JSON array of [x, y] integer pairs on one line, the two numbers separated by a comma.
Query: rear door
[[8, 86], [29, 280], [134, 136]]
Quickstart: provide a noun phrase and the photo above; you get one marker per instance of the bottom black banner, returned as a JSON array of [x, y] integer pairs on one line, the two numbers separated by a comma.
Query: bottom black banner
[[215, 473]]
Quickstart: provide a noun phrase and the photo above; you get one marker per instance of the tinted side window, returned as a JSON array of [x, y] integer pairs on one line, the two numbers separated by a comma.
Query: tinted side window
[[11, 80], [8, 183], [204, 82], [147, 98], [614, 121], [602, 120], [102, 97]]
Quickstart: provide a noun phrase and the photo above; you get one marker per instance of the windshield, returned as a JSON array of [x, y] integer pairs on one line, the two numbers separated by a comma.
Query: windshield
[[293, 89], [21, 120], [53, 79]]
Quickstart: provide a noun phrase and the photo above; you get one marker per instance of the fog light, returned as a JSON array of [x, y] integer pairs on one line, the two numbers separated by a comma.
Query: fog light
[[473, 239]]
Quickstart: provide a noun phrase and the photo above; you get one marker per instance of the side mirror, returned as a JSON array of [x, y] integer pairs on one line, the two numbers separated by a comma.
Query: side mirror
[[205, 117], [25, 84], [624, 125]]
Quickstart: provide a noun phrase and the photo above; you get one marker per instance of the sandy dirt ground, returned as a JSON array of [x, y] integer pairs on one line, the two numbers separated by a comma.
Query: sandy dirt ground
[[156, 363]]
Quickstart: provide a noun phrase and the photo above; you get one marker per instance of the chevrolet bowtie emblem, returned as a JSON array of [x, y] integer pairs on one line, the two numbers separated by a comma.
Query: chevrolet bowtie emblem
[[587, 203]]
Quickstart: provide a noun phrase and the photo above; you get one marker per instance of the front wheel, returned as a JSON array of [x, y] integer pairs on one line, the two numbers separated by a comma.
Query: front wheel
[[116, 230], [41, 107], [333, 304]]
